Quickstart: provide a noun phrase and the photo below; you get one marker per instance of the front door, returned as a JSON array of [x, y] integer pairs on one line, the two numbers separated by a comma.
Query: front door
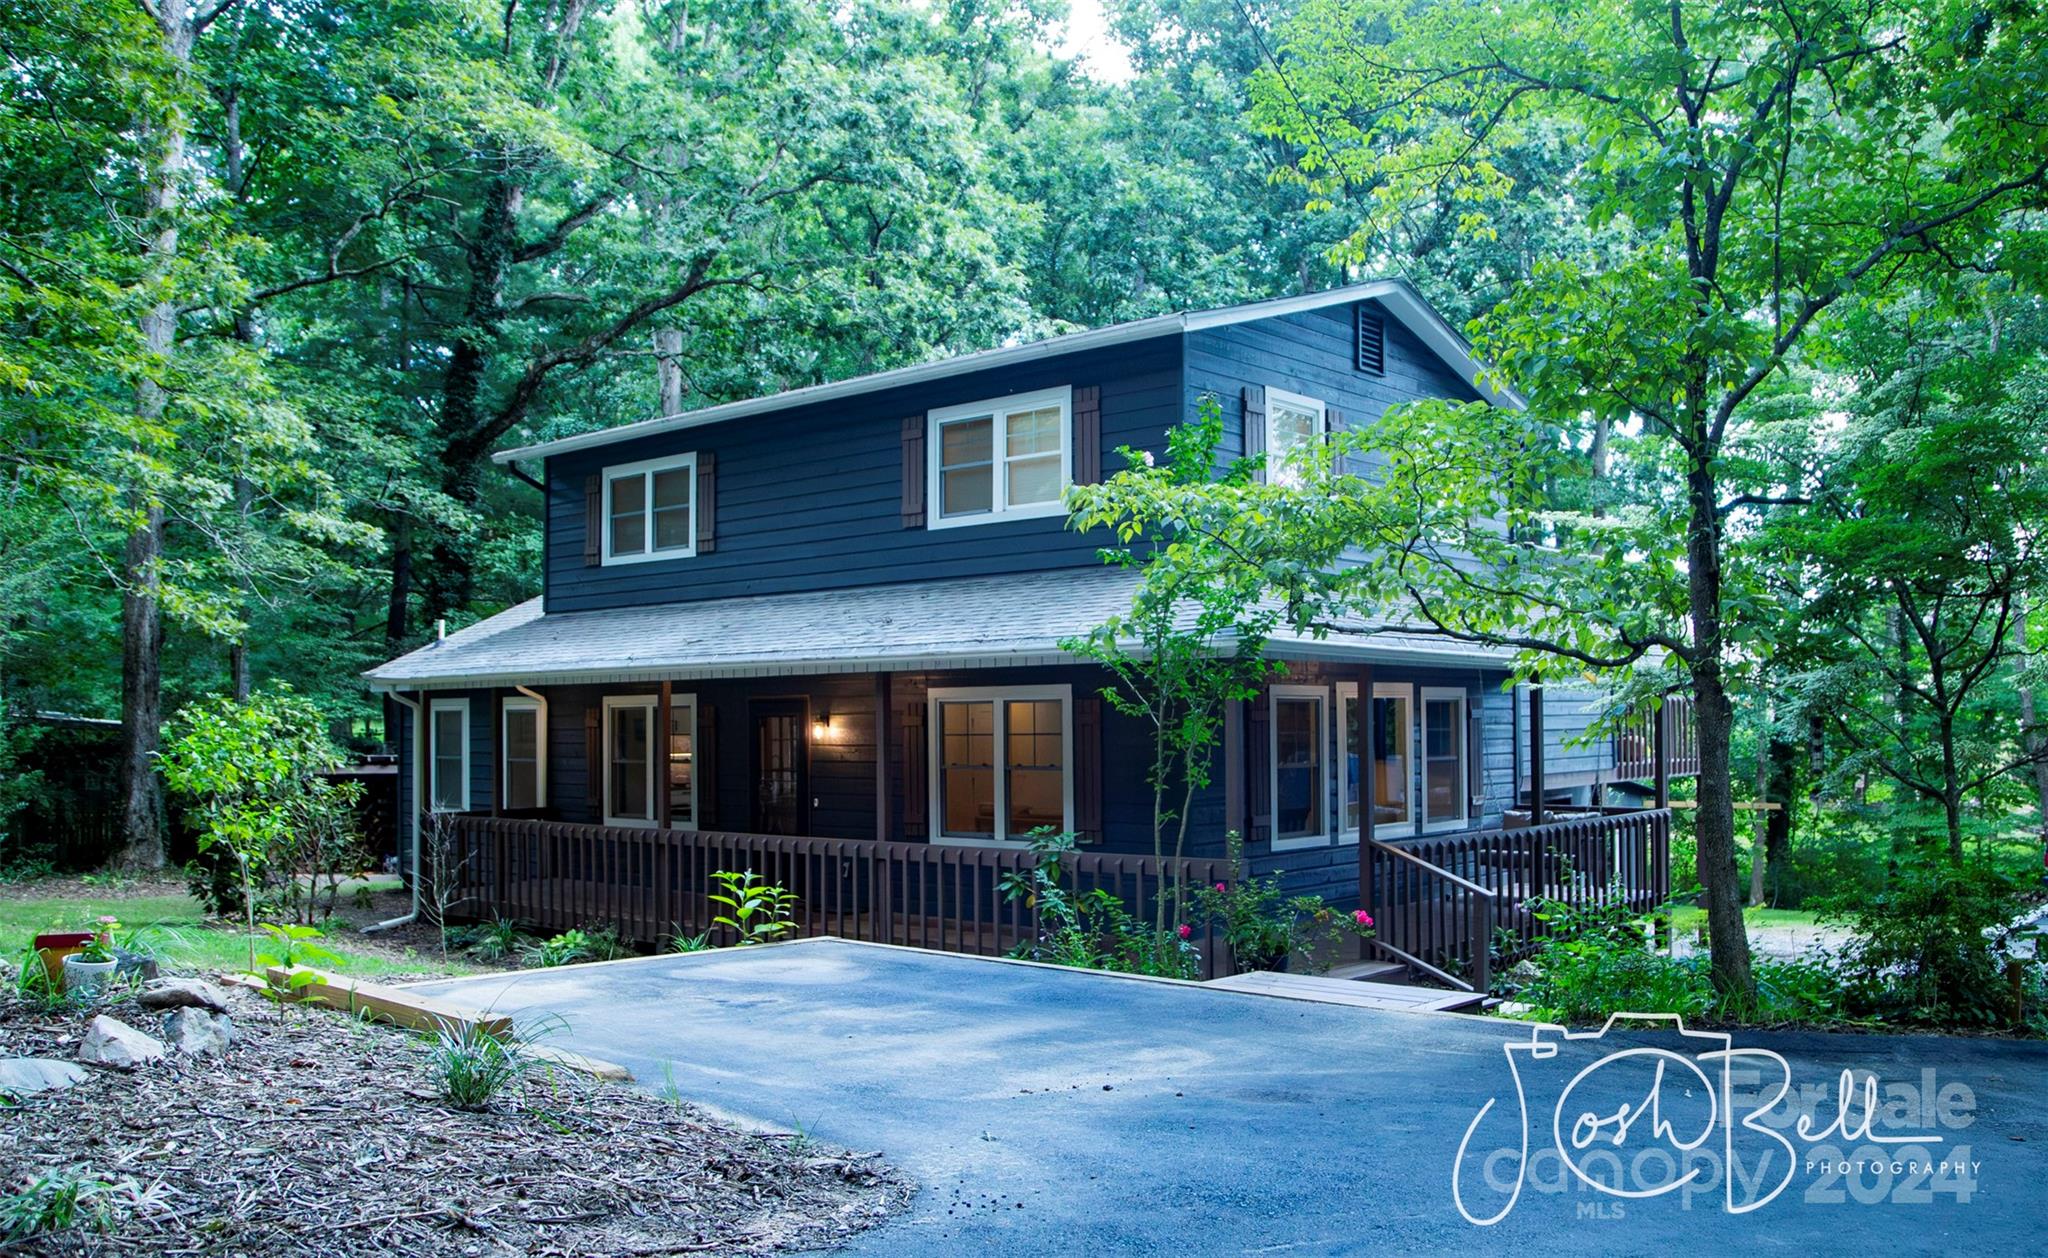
[[782, 778]]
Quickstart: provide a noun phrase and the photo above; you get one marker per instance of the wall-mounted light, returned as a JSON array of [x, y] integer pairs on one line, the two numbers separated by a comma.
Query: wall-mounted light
[[821, 724]]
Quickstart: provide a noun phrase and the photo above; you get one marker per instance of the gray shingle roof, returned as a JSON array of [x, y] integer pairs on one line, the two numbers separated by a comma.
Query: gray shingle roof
[[970, 622]]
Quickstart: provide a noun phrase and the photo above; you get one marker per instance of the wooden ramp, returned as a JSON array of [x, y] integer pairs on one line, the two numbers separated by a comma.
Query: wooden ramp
[[1344, 991]]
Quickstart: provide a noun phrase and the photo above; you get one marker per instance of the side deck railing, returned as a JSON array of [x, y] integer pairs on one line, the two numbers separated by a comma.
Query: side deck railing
[[1453, 906], [650, 885]]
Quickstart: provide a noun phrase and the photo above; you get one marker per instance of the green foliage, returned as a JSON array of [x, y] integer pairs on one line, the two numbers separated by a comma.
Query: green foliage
[[1597, 961], [291, 945], [63, 1199], [35, 988], [1266, 928], [1930, 949], [679, 941], [1090, 930], [757, 911], [495, 940], [250, 771], [472, 1067], [99, 944], [567, 948]]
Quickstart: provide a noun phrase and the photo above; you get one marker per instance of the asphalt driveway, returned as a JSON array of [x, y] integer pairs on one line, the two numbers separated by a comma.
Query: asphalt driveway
[[1052, 1111]]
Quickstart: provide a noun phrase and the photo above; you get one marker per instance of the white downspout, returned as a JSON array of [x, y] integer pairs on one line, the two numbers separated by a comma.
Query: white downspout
[[419, 733]]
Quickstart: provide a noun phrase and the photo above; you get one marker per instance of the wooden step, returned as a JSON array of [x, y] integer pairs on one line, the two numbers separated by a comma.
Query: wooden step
[[1370, 972]]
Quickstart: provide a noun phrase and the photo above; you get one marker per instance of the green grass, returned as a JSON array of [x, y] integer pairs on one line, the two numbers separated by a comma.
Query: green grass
[[178, 929]]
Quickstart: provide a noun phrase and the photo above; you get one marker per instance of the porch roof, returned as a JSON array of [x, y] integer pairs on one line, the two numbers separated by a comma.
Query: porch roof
[[968, 622]]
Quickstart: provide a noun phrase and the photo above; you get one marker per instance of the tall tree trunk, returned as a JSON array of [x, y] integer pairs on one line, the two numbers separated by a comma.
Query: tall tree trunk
[[2036, 739], [668, 363], [1783, 788], [1713, 719], [142, 813], [1761, 843]]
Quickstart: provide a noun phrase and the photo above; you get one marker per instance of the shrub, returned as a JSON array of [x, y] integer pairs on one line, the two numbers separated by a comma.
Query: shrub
[[65, 1198], [494, 940], [1265, 927], [1091, 930], [680, 942], [566, 948], [1931, 948], [756, 910]]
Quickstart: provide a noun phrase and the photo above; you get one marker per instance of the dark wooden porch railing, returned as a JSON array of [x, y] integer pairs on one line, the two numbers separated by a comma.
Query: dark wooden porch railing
[[1438, 903], [652, 884], [1635, 741]]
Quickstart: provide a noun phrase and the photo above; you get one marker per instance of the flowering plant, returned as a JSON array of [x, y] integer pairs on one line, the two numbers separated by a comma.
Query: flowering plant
[[100, 947], [1265, 927]]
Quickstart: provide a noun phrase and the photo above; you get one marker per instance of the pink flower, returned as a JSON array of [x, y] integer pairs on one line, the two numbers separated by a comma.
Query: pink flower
[[1219, 886], [1362, 917], [1186, 930]]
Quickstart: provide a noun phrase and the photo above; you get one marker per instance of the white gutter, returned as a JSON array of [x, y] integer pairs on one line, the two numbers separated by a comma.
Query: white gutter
[[418, 761]]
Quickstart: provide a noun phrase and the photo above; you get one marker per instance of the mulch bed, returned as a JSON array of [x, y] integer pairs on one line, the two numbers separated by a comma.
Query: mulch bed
[[319, 1135]]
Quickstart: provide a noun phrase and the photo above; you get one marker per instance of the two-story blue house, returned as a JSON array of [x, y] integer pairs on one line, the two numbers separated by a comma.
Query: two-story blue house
[[817, 633]]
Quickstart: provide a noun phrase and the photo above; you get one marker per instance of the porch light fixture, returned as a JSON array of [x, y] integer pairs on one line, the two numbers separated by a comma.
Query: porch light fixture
[[821, 724]]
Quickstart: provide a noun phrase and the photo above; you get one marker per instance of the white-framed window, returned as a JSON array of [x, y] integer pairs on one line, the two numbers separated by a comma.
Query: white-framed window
[[1443, 757], [650, 510], [525, 739], [1006, 459], [448, 755], [682, 762], [1392, 762], [1001, 762], [1298, 721], [629, 745], [1294, 424]]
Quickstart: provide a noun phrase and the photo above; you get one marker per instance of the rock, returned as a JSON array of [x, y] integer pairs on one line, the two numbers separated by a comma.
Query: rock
[[26, 1076], [197, 1033], [1525, 972], [112, 1042], [183, 993], [137, 964]]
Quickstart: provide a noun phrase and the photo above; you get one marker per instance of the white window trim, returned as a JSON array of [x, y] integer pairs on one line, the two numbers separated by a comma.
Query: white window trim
[[1300, 402], [434, 707], [657, 775], [646, 468], [935, 758], [1273, 697], [540, 749], [1404, 828], [935, 516], [1426, 695], [696, 758]]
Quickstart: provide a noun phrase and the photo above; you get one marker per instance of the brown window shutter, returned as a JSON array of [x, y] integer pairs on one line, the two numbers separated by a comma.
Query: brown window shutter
[[1258, 770], [593, 520], [1334, 420], [706, 748], [1255, 422], [707, 502], [1088, 769], [916, 785], [1087, 434], [913, 472], [593, 760]]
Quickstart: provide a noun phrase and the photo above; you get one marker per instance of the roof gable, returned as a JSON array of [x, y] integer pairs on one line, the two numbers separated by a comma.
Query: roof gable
[[1398, 296]]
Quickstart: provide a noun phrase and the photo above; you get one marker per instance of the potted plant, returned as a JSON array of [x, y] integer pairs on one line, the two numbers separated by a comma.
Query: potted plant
[[1265, 927], [95, 960]]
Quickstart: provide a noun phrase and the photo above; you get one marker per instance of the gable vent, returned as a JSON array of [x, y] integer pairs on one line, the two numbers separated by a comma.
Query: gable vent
[[1372, 339]]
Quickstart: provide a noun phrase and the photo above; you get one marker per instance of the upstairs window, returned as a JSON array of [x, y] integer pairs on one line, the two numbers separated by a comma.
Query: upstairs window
[[1294, 425], [649, 510], [1005, 459]]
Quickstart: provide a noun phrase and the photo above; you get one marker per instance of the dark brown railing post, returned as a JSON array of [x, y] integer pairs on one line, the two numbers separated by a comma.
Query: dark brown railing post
[[1662, 755], [1482, 941], [1536, 751]]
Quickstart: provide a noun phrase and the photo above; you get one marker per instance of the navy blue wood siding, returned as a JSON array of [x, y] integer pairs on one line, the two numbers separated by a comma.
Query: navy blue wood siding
[[1311, 353], [811, 498], [481, 757]]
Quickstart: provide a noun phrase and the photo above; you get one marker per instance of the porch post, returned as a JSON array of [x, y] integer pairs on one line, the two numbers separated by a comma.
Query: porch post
[[1365, 795], [660, 740], [883, 821], [497, 719], [1536, 751], [1663, 755], [1233, 769]]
